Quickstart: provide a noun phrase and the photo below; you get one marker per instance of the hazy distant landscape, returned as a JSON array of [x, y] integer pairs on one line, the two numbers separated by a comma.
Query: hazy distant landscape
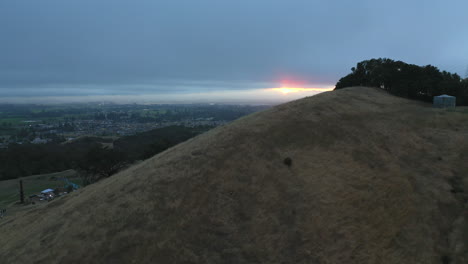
[[24, 123], [37, 139], [226, 132]]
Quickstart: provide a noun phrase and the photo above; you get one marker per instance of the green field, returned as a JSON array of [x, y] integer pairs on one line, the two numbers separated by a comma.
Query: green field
[[9, 189], [13, 120]]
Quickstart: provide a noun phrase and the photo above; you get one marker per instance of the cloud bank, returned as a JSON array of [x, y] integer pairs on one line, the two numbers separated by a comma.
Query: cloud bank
[[100, 48]]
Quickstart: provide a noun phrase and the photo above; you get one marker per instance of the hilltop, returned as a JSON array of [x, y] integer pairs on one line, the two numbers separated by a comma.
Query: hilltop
[[373, 178]]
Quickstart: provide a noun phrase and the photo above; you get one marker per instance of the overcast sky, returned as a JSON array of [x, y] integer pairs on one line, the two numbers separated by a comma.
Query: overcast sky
[[87, 48]]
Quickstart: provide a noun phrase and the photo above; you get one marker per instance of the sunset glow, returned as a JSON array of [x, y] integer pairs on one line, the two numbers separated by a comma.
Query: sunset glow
[[287, 90]]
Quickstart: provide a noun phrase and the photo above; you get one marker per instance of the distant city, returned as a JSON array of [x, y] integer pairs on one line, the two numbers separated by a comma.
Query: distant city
[[40, 124]]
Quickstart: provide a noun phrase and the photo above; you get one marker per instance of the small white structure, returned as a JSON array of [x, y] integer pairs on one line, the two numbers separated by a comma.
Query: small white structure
[[444, 101], [47, 191], [47, 194]]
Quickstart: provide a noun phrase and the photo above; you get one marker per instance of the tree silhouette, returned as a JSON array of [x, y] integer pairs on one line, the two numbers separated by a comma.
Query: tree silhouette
[[100, 162], [406, 80]]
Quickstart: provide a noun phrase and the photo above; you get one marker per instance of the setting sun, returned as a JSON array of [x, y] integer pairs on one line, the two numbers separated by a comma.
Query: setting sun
[[287, 90]]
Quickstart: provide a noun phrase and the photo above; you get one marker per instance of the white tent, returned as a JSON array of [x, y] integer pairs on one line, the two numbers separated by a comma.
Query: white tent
[[47, 191]]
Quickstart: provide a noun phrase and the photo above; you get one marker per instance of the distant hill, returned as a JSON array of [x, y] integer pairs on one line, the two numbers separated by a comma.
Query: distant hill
[[350, 176]]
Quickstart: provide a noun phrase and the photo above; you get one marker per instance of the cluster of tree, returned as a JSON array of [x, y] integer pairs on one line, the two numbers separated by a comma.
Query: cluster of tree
[[88, 155], [100, 162], [29, 159], [6, 124], [6, 128], [406, 80], [147, 144]]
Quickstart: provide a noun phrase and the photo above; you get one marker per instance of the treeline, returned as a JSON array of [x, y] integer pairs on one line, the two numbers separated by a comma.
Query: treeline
[[406, 80], [92, 156], [145, 145]]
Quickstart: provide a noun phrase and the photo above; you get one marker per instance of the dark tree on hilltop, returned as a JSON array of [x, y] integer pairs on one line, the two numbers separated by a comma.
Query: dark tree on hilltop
[[406, 80]]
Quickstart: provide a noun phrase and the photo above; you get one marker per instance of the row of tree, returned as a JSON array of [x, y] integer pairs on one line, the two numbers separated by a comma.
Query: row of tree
[[406, 80], [89, 155]]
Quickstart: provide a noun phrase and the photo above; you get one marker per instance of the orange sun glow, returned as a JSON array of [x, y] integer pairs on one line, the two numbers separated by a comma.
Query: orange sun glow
[[287, 90]]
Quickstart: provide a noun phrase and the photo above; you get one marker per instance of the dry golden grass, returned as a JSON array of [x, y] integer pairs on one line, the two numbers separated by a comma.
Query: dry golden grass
[[374, 179]]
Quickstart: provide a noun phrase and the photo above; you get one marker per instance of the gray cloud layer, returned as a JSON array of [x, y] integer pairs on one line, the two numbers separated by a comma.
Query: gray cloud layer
[[118, 47]]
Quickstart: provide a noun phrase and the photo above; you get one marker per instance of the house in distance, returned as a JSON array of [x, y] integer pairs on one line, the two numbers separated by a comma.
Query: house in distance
[[444, 101]]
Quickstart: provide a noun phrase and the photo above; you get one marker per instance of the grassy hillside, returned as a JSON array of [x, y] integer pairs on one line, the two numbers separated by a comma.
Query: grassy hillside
[[373, 179]]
